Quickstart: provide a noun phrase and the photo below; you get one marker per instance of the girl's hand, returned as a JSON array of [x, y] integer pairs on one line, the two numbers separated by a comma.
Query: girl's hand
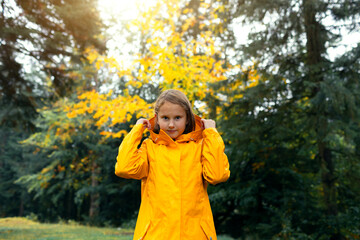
[[208, 123], [145, 122]]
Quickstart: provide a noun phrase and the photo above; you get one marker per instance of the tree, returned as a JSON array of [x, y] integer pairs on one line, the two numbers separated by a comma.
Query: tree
[[72, 162], [170, 55], [302, 116], [168, 58], [40, 40], [72, 178], [45, 35]]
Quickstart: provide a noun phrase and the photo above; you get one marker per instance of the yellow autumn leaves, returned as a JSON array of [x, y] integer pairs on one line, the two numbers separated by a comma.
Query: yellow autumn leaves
[[108, 111], [167, 60]]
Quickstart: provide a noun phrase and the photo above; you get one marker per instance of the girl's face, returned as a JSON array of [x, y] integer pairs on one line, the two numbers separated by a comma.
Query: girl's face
[[172, 119]]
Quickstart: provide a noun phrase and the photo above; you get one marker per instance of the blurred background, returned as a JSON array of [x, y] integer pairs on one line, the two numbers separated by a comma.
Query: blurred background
[[281, 79]]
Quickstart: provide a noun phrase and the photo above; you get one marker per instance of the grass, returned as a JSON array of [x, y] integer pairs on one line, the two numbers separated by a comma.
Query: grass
[[24, 229]]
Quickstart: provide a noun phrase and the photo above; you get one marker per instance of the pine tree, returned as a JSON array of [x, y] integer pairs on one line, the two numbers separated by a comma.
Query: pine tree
[[302, 116]]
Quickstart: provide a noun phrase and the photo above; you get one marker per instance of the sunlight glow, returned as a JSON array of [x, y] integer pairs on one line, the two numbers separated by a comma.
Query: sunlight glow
[[117, 14], [123, 9]]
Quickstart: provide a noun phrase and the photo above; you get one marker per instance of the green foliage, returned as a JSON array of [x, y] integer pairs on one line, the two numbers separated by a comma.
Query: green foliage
[[11, 166], [72, 156], [292, 139], [41, 36]]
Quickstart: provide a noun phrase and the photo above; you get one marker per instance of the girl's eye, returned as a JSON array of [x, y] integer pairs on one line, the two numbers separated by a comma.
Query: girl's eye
[[165, 118], [177, 118]]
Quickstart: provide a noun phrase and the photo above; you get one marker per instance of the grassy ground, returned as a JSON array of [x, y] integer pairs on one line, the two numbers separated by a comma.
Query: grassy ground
[[24, 229]]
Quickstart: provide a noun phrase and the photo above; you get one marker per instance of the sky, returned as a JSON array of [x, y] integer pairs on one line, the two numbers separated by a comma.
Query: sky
[[126, 10]]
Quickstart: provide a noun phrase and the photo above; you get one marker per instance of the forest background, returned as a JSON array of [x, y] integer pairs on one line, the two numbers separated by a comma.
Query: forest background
[[286, 105]]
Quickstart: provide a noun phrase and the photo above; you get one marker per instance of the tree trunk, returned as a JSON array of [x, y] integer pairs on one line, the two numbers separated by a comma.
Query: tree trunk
[[315, 46], [21, 207], [94, 197]]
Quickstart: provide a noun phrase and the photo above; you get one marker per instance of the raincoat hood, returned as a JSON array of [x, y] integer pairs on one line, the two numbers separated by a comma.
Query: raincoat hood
[[164, 139]]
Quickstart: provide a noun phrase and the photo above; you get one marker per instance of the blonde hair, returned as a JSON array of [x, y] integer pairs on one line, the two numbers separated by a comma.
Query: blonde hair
[[176, 97]]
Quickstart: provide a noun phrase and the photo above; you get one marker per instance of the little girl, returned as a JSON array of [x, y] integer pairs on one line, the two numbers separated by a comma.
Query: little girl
[[183, 154]]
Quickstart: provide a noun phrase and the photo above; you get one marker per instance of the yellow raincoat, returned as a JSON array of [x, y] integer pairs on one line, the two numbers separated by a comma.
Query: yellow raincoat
[[174, 174]]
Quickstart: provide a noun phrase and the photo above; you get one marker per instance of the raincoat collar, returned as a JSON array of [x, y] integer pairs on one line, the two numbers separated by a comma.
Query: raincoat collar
[[164, 139]]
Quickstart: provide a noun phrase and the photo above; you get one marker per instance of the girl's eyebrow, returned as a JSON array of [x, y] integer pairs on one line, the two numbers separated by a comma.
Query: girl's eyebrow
[[165, 115]]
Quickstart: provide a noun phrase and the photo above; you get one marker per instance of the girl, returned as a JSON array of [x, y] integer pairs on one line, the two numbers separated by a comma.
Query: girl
[[183, 154]]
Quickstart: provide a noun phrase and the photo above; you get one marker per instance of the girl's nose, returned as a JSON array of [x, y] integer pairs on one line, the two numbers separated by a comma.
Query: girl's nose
[[171, 124]]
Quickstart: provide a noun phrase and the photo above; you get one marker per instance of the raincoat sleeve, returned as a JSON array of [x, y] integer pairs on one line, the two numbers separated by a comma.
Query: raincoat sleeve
[[132, 162], [214, 161]]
